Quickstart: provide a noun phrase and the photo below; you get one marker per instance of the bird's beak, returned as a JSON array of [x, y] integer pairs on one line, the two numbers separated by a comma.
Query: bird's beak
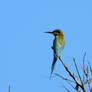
[[49, 32]]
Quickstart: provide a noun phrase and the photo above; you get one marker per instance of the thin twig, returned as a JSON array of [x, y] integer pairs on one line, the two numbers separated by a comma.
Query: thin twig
[[9, 88], [90, 68], [66, 89], [87, 78], [77, 71], [84, 66], [64, 78]]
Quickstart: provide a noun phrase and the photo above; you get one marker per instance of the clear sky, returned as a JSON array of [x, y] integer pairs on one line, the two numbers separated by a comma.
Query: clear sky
[[25, 50]]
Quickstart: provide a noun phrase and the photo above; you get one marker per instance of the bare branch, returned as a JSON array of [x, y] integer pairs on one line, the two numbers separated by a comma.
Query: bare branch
[[74, 78], [87, 78], [9, 88], [64, 78], [75, 88], [66, 89], [68, 81], [84, 66], [90, 68], [77, 71]]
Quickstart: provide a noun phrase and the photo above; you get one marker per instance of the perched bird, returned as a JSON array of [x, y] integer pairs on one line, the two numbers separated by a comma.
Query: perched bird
[[58, 46]]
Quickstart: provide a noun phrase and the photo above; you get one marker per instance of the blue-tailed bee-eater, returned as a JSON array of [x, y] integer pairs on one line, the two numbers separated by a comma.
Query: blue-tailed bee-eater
[[58, 46]]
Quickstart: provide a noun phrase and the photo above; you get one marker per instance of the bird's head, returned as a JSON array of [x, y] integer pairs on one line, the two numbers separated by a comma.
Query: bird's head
[[56, 32]]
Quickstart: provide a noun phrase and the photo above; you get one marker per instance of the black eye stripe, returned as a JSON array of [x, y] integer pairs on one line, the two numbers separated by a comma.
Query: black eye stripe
[[56, 31]]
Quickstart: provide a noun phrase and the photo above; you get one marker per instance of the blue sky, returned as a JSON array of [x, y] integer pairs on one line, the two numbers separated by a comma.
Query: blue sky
[[25, 50]]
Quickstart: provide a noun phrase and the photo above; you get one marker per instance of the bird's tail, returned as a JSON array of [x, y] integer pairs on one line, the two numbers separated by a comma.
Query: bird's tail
[[53, 65]]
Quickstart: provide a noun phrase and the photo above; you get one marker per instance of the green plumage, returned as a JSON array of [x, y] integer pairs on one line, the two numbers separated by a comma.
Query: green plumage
[[58, 46]]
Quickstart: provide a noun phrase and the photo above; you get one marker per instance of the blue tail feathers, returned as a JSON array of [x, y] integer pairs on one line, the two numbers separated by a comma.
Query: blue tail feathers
[[53, 65]]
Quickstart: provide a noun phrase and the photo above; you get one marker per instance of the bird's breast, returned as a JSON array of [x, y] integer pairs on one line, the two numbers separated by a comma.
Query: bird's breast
[[60, 42], [58, 45]]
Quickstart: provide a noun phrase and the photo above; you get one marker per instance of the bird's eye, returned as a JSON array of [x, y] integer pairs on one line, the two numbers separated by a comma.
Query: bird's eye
[[57, 32]]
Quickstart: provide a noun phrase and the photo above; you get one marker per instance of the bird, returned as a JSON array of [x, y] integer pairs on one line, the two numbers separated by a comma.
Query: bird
[[58, 46]]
